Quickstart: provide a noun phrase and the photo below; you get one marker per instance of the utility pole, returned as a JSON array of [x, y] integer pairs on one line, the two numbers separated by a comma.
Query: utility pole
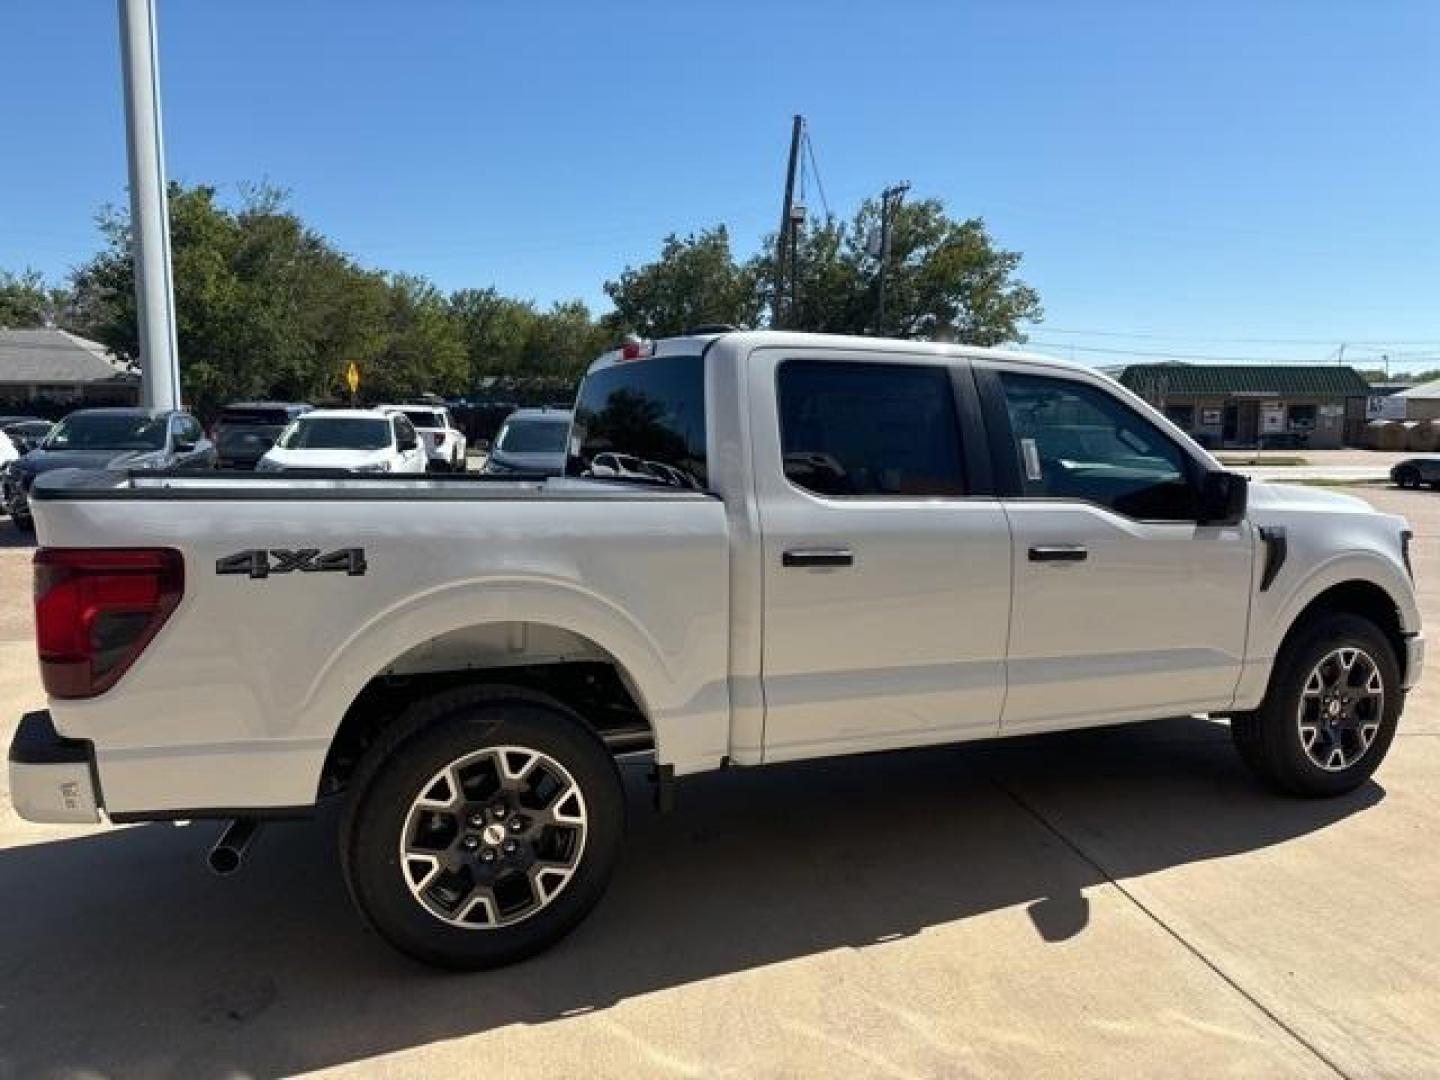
[[786, 223], [891, 195], [149, 212]]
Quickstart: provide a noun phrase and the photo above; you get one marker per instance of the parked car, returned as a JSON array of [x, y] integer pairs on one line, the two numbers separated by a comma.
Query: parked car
[[441, 437], [356, 440], [609, 465], [1412, 472], [244, 431], [117, 439], [530, 441], [971, 543], [25, 432]]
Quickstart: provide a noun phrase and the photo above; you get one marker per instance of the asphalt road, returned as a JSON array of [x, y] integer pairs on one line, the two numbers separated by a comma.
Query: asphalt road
[[1110, 903]]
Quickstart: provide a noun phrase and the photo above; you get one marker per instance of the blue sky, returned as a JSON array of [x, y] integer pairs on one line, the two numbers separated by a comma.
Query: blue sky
[[1224, 179]]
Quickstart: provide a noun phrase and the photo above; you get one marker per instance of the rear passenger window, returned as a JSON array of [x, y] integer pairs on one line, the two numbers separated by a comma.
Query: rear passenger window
[[851, 430]]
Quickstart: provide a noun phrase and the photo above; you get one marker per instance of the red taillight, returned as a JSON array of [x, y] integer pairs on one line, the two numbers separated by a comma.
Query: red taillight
[[96, 609]]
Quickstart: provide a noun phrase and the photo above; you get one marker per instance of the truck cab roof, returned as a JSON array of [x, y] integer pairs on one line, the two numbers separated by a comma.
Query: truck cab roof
[[882, 349]]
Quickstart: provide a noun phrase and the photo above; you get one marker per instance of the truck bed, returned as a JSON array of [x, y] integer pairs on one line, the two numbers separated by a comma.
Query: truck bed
[[336, 485], [237, 699]]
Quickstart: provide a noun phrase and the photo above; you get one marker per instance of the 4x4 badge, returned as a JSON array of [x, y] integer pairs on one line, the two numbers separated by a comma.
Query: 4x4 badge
[[261, 563]]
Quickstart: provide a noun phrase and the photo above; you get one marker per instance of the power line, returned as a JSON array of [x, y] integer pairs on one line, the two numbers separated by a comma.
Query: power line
[[1162, 355], [1145, 335], [815, 168]]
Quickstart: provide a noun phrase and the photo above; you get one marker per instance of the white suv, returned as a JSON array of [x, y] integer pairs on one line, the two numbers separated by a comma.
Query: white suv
[[443, 442], [356, 440]]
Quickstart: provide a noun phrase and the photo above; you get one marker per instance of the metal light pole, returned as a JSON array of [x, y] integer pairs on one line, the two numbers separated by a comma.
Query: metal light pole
[[149, 212], [890, 196]]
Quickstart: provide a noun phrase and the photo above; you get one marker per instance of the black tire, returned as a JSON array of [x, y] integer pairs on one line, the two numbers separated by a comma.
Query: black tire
[[24, 522], [1269, 738], [433, 733], [1407, 476]]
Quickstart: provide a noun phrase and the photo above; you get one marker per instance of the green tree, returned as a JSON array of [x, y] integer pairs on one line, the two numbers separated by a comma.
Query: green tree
[[27, 302], [423, 349], [267, 307], [946, 278], [495, 330], [563, 341], [694, 281]]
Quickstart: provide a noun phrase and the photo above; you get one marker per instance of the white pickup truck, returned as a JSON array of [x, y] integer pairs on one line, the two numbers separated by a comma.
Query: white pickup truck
[[831, 546]]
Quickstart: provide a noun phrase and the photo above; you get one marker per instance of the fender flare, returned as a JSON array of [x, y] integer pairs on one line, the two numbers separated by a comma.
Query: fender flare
[[394, 631]]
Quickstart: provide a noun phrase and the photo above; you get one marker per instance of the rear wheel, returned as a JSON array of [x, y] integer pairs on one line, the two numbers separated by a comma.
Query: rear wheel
[[483, 828], [1331, 711], [1407, 476], [24, 522]]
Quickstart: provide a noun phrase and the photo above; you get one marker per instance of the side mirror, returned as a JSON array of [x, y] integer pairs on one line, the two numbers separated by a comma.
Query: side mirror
[[482, 445], [409, 443], [1223, 498], [184, 446]]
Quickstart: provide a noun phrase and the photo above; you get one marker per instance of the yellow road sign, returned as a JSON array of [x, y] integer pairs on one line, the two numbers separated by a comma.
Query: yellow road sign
[[352, 377]]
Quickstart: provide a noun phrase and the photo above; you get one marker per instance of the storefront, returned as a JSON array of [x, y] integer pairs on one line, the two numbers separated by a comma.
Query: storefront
[[1280, 406]]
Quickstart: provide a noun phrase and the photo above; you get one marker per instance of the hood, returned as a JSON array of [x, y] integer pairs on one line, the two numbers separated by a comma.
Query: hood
[[323, 459], [43, 461], [256, 437], [1265, 495], [544, 461]]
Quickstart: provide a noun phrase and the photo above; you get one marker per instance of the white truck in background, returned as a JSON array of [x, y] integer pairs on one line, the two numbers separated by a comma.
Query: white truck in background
[[854, 545]]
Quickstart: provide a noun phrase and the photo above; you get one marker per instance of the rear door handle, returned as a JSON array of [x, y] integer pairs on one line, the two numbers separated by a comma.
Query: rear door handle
[[818, 557], [1059, 553]]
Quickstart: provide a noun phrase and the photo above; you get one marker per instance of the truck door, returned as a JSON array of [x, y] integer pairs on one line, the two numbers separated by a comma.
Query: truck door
[[886, 579], [1124, 606]]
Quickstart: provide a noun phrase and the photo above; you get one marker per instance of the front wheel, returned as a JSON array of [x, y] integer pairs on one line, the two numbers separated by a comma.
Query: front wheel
[[1407, 476], [1331, 712], [483, 828]]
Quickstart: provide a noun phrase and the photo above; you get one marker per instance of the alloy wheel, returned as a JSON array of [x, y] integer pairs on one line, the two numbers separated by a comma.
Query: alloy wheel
[[1341, 708], [494, 837]]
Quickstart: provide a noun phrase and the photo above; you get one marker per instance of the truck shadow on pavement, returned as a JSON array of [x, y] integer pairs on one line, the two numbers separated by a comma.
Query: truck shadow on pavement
[[122, 957]]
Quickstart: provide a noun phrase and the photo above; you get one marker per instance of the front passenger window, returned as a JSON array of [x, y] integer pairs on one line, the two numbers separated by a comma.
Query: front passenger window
[[1074, 441]]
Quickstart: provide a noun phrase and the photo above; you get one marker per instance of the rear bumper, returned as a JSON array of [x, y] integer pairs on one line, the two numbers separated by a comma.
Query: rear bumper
[[52, 778]]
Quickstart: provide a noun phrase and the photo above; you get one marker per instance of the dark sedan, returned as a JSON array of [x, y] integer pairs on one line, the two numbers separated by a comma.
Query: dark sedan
[[119, 439], [1412, 472]]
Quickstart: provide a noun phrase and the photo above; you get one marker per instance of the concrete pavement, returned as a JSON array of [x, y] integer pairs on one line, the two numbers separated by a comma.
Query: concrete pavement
[[1109, 903], [1345, 466]]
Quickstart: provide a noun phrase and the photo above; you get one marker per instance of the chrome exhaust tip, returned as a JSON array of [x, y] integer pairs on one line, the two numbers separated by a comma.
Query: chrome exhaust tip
[[229, 851]]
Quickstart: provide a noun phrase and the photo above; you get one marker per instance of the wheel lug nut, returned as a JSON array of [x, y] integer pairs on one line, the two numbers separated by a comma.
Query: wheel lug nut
[[515, 824], [488, 855], [510, 847], [498, 809], [477, 820], [470, 843]]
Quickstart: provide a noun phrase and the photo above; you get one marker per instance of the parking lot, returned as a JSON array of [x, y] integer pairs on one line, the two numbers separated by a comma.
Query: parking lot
[[1121, 902]]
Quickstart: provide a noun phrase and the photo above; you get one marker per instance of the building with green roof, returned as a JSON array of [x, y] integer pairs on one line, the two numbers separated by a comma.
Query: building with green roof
[[1320, 406]]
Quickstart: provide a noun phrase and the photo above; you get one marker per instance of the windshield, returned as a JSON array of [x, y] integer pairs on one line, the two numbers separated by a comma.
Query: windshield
[[533, 437], [108, 431], [424, 418], [337, 433], [255, 417]]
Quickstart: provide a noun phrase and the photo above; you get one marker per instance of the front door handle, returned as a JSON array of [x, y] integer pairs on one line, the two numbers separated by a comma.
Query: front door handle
[[818, 557], [1059, 553]]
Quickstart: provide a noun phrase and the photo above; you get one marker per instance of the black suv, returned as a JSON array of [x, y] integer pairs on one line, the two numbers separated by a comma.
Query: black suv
[[247, 429]]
